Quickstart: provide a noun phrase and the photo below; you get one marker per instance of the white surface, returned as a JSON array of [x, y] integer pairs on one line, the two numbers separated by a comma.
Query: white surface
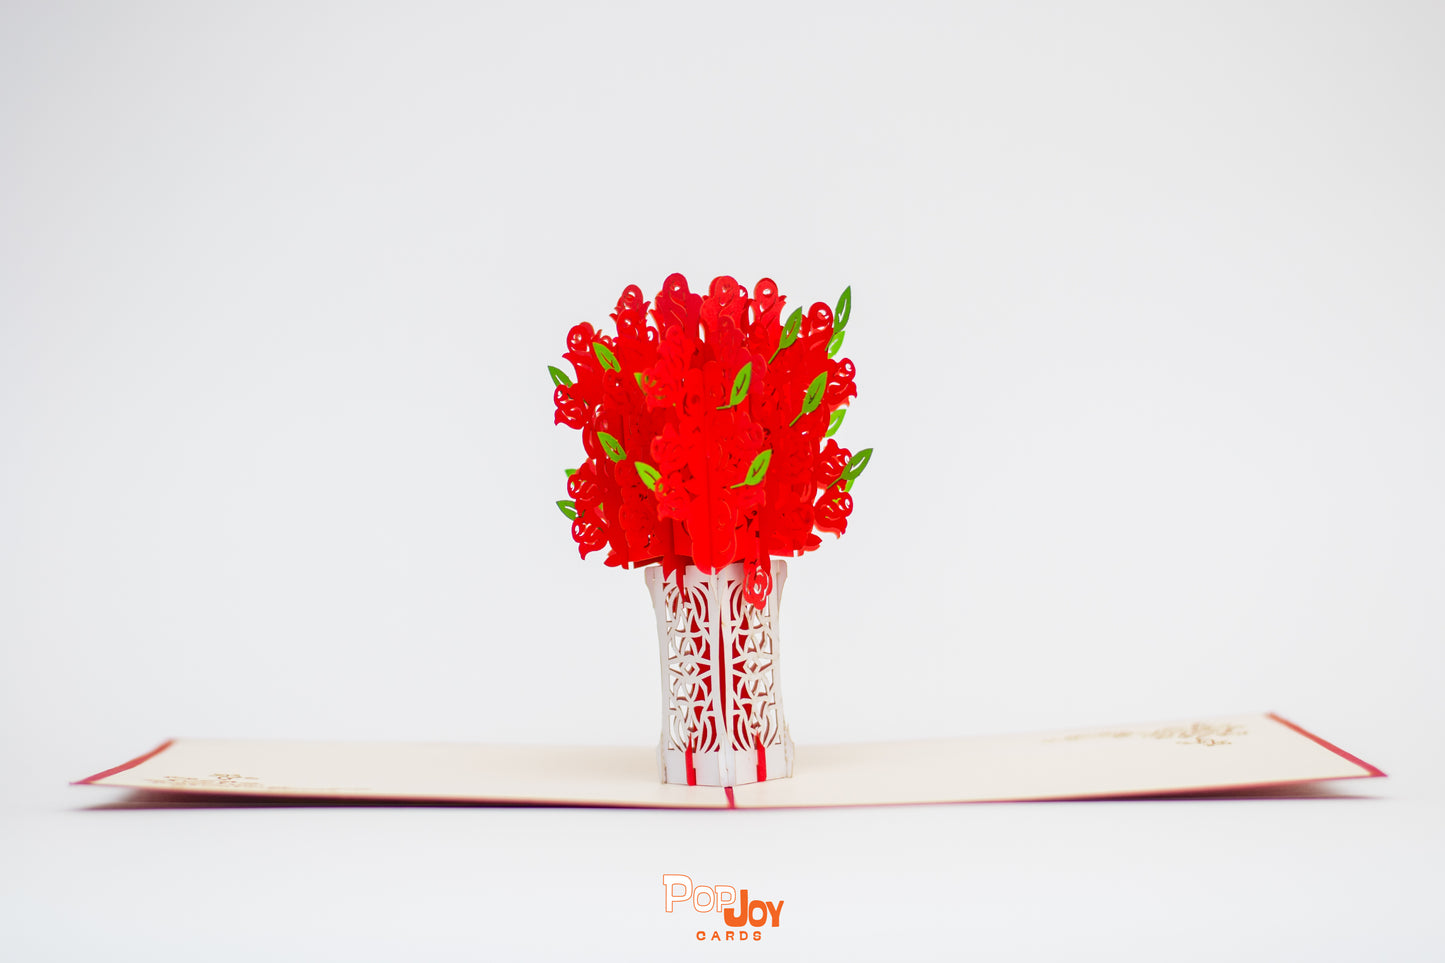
[[1147, 319]]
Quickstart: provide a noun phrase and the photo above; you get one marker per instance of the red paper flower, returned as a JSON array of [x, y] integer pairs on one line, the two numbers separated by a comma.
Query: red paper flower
[[705, 429]]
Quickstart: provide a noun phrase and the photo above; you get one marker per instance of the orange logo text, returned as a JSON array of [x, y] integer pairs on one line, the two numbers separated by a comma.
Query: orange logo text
[[743, 917]]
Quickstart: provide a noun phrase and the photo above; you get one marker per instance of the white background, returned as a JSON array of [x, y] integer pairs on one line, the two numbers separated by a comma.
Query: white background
[[1149, 321]]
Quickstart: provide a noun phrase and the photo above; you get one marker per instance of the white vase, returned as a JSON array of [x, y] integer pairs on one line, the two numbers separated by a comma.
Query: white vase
[[722, 700]]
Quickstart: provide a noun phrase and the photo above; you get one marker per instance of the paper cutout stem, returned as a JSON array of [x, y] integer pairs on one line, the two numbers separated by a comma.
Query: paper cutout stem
[[790, 333], [813, 398], [856, 464], [606, 357], [612, 446], [648, 474], [758, 470], [844, 308], [740, 385]]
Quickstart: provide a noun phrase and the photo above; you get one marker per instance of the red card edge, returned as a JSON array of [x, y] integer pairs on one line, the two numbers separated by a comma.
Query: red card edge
[[1372, 770], [125, 765]]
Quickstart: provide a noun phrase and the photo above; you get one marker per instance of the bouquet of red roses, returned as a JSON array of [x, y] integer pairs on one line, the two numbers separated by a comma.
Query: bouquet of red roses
[[708, 429]]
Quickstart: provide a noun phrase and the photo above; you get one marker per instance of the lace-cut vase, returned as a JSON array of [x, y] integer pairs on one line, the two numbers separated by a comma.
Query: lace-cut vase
[[722, 700]]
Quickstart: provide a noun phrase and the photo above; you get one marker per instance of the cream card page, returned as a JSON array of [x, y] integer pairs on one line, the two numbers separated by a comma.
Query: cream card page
[[1216, 755]]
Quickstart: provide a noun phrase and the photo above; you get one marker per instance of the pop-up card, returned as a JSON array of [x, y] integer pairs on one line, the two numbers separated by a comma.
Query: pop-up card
[[709, 458]]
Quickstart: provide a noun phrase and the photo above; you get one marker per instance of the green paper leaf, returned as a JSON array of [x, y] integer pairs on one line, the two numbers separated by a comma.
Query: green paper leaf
[[835, 421], [606, 357], [813, 398], [559, 377], [757, 470], [612, 446], [790, 331], [570, 471], [569, 508], [741, 384], [856, 464], [835, 342], [648, 474], [844, 308]]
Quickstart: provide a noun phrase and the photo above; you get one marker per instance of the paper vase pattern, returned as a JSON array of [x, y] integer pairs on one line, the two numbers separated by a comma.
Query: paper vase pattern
[[722, 701]]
